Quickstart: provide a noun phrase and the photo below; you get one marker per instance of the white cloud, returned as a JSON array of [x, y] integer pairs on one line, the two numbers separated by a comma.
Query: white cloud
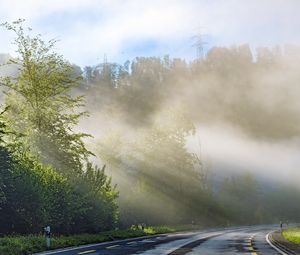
[[129, 23], [34, 9], [90, 28]]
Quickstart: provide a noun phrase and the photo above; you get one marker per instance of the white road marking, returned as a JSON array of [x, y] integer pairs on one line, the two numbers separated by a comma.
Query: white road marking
[[146, 241], [86, 246], [273, 246], [112, 246], [85, 252], [132, 243], [161, 237], [166, 248]]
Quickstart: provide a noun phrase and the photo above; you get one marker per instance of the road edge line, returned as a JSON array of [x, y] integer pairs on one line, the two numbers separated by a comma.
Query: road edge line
[[272, 245]]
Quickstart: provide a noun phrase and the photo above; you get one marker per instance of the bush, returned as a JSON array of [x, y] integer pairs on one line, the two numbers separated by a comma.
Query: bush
[[23, 245], [36, 196], [292, 235]]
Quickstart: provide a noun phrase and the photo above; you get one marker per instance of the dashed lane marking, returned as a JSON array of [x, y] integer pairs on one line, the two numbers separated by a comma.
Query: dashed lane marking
[[113, 246], [254, 252], [147, 241], [132, 242], [251, 249], [85, 252]]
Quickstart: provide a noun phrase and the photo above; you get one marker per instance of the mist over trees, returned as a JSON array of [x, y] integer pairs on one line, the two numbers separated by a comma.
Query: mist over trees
[[163, 181], [230, 85], [142, 113], [256, 93]]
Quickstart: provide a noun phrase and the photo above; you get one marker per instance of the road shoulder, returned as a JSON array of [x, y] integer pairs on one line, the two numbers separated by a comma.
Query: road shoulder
[[276, 238]]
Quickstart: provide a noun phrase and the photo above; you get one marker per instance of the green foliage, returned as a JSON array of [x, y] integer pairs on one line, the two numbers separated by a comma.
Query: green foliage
[[35, 196], [292, 235], [280, 203], [168, 183], [4, 161], [40, 105], [24, 245], [99, 210], [241, 199], [45, 175]]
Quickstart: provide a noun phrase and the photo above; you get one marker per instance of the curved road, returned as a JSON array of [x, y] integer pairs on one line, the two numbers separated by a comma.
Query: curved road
[[243, 240]]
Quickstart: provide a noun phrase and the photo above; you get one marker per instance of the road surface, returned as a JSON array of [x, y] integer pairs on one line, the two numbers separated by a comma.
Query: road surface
[[243, 240]]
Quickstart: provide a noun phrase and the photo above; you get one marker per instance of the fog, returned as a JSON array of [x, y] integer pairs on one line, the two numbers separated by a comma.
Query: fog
[[228, 151], [165, 113], [244, 106], [177, 136]]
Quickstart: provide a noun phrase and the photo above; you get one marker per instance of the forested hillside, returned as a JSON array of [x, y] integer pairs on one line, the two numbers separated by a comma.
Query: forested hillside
[[146, 110], [138, 167]]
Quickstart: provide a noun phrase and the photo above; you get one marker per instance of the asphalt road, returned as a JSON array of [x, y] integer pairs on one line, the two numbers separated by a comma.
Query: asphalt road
[[244, 240]]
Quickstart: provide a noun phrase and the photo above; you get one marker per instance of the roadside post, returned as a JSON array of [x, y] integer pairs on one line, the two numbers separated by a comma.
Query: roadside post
[[48, 236]]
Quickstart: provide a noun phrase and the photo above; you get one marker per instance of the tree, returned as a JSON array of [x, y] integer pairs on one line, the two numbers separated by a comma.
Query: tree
[[99, 201], [41, 106], [166, 180], [48, 178], [4, 161], [240, 196], [28, 191]]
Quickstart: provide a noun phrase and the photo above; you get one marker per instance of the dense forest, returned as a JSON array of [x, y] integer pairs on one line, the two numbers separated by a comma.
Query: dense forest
[[135, 166]]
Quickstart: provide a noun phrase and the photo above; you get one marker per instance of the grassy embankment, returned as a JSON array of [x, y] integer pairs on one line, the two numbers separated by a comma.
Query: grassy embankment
[[292, 235], [23, 245]]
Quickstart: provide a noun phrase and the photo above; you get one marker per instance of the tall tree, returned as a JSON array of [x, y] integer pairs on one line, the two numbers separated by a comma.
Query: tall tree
[[41, 106], [43, 111]]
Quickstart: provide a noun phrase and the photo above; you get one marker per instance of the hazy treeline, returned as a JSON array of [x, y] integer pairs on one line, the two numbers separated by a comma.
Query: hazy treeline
[[146, 109], [142, 114], [256, 92]]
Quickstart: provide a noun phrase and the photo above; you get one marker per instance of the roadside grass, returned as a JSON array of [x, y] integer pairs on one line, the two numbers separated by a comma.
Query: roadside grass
[[25, 245], [292, 235]]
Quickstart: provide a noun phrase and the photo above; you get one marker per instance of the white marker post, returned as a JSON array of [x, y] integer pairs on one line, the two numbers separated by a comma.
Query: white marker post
[[48, 236]]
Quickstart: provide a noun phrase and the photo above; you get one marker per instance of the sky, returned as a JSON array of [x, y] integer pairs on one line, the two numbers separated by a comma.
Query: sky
[[124, 29]]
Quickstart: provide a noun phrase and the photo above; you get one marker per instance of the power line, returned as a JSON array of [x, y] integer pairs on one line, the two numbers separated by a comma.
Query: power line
[[199, 45]]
